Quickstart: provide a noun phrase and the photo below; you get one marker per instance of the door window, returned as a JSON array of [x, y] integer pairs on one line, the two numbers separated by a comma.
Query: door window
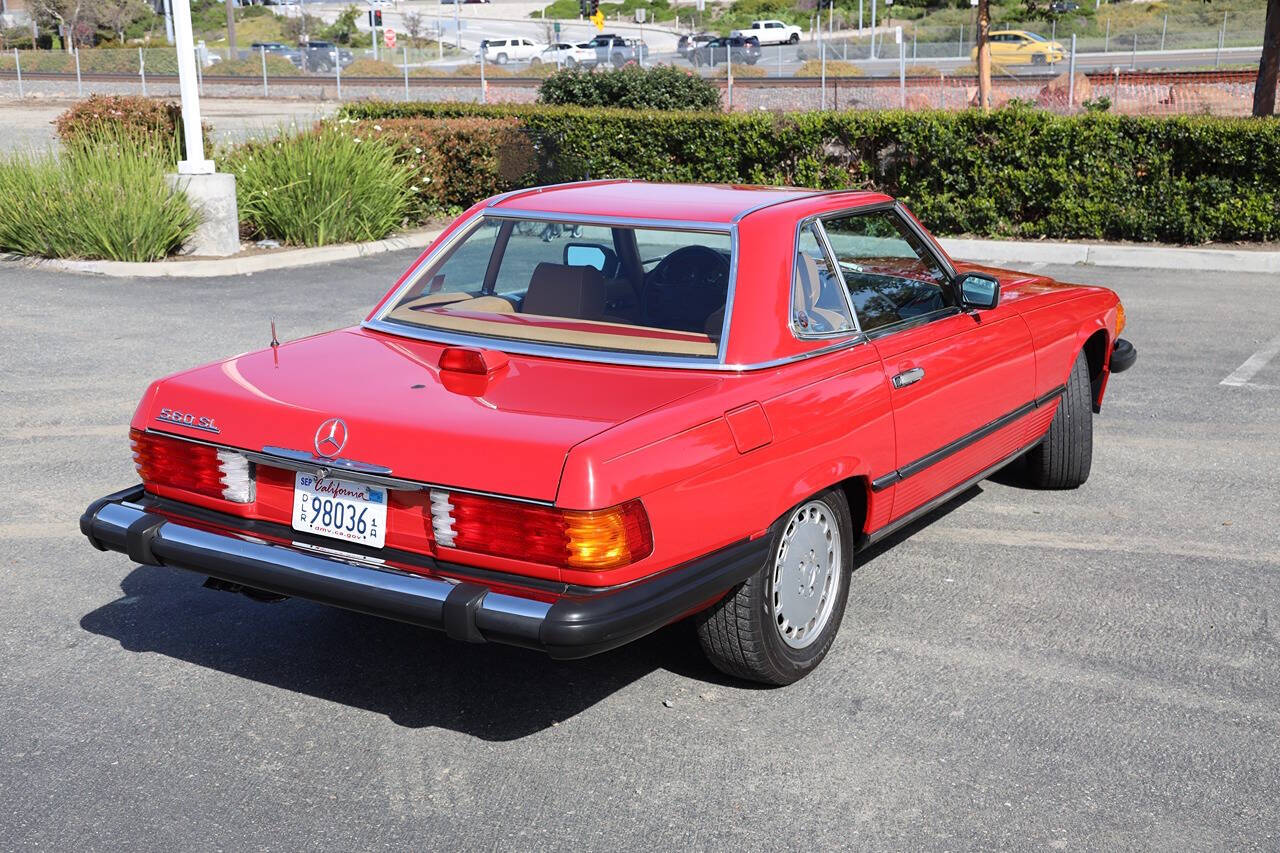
[[890, 275], [818, 307]]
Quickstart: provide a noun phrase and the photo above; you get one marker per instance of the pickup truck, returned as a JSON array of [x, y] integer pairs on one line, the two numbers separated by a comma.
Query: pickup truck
[[614, 50], [770, 32]]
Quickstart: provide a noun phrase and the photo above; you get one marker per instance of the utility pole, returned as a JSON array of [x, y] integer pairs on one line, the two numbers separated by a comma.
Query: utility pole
[[1264, 91], [231, 29], [984, 55]]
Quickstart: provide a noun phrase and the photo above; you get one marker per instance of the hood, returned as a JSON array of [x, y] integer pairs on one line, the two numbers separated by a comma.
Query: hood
[[507, 435]]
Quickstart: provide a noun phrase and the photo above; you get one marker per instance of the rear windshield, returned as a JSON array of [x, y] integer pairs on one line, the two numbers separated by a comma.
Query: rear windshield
[[643, 290]]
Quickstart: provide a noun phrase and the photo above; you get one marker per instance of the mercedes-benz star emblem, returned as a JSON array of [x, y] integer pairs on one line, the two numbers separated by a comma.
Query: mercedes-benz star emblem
[[331, 438]]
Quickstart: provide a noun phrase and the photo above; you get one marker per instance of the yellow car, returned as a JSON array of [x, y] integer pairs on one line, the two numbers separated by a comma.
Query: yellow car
[[1019, 47]]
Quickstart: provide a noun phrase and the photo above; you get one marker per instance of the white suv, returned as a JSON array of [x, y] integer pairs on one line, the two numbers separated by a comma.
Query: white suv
[[502, 51], [770, 32]]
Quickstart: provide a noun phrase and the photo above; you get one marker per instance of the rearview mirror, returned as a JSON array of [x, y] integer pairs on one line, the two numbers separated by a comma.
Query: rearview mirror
[[978, 290], [592, 255]]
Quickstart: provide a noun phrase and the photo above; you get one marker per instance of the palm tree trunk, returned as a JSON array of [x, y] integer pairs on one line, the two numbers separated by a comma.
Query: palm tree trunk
[[1264, 91]]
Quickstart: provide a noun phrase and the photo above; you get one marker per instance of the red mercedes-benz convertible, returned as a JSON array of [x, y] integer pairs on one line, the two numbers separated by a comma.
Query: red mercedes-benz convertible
[[591, 410]]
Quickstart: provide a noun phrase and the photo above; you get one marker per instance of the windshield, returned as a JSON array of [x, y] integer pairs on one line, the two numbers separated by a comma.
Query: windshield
[[610, 287], [1035, 37]]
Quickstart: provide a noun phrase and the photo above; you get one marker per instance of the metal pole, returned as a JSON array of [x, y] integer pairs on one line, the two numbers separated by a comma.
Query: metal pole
[[913, 46], [142, 72], [873, 29], [942, 91], [1071, 76], [1164, 28], [779, 60], [1133, 57], [822, 50], [960, 43], [17, 63], [859, 17], [1222, 38], [406, 72], [263, 51], [189, 76], [902, 77], [79, 87], [1106, 44], [337, 68], [482, 82], [728, 64], [168, 21], [1053, 36], [457, 24], [374, 32]]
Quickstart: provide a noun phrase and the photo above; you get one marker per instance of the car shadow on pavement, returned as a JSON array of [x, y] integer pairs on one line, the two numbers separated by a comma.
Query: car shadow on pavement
[[415, 676]]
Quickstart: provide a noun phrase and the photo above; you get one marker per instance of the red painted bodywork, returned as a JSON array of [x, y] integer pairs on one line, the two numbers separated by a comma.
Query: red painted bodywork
[[714, 455]]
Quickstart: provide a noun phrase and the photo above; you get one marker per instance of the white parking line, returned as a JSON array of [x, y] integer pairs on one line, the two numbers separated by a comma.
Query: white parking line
[[1254, 363]]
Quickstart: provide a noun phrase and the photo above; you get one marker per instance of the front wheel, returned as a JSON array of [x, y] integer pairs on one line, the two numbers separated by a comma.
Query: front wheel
[[1064, 456], [778, 625], [795, 39], [501, 59], [1039, 59]]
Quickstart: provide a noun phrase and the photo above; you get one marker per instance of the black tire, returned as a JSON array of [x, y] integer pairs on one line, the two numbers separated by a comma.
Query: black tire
[[1063, 457], [1039, 59], [740, 636], [795, 39]]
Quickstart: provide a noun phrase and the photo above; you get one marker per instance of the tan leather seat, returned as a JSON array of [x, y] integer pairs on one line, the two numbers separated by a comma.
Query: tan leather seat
[[806, 290], [556, 290]]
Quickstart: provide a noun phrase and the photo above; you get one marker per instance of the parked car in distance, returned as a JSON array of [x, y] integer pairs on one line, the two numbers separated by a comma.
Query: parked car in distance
[[590, 410], [276, 48], [688, 43], [502, 51], [567, 55], [1019, 47], [617, 51], [324, 55], [770, 32], [1062, 7], [743, 51]]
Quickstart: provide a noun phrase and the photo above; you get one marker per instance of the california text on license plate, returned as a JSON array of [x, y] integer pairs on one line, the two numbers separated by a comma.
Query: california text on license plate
[[341, 509]]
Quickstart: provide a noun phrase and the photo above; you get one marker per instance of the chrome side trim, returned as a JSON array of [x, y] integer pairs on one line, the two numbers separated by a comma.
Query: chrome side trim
[[532, 191], [612, 221], [340, 463]]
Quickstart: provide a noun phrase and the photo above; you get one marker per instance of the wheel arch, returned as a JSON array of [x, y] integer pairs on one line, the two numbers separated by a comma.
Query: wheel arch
[[1095, 352]]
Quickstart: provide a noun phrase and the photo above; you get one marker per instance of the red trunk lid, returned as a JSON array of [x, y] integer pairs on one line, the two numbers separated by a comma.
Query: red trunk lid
[[509, 436]]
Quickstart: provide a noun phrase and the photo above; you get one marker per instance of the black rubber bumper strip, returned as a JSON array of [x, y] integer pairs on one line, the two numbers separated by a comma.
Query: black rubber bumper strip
[[1123, 355], [576, 625]]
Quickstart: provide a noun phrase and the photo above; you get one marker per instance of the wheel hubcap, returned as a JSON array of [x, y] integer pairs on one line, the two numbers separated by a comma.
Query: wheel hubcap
[[806, 574]]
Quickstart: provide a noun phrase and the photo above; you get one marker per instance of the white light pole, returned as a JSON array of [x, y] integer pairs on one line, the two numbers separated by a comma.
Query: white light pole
[[212, 195]]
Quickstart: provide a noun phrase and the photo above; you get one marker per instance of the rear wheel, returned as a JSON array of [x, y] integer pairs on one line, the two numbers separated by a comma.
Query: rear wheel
[[778, 625], [501, 59], [1063, 457]]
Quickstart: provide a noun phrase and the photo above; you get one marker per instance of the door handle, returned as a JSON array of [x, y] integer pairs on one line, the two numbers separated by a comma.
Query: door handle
[[908, 377]]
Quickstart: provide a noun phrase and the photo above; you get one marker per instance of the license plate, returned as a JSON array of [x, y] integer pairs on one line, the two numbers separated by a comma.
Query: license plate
[[341, 509]]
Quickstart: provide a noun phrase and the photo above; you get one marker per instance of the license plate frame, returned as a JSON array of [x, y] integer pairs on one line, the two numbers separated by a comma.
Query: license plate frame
[[345, 510]]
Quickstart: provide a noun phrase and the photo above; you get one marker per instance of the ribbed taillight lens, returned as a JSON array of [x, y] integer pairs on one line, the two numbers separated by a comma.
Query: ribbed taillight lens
[[192, 467], [593, 540]]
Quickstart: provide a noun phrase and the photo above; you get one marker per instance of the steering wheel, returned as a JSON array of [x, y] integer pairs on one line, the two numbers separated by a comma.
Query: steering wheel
[[684, 283]]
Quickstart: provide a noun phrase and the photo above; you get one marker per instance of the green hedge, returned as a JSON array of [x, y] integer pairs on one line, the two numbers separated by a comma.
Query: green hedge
[[1016, 172]]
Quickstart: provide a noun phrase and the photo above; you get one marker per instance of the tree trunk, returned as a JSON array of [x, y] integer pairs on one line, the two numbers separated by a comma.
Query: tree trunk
[[231, 29], [1264, 91], [984, 55]]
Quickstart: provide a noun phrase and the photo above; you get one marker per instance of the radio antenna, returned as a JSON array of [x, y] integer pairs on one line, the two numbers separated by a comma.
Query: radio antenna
[[275, 342]]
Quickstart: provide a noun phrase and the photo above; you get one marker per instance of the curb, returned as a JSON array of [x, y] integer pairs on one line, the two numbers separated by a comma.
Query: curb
[[1113, 255], [237, 266]]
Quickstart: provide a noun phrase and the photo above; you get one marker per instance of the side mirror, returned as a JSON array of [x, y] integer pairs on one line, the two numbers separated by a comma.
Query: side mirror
[[977, 290]]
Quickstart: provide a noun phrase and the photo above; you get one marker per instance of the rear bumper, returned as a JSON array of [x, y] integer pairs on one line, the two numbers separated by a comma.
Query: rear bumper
[[578, 623]]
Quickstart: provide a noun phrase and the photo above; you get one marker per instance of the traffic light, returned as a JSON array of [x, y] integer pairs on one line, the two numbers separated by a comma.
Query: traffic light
[[375, 18], [582, 8], [595, 7]]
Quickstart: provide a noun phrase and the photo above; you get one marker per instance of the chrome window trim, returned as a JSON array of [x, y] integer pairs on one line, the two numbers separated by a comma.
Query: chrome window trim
[[807, 222], [931, 249], [425, 333]]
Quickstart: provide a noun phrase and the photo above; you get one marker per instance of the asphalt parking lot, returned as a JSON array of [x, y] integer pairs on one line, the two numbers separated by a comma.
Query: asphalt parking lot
[[1071, 670]]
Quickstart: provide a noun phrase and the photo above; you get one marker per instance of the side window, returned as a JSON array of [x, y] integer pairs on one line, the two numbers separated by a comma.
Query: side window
[[817, 305], [890, 275]]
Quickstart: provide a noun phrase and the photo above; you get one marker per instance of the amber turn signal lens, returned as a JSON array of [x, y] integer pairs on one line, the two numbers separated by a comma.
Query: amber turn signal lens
[[1119, 318]]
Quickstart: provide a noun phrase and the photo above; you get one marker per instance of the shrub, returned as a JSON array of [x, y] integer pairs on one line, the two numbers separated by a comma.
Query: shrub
[[371, 68], [1012, 172], [739, 70], [320, 187], [129, 116], [105, 196], [455, 162], [835, 68], [251, 66], [661, 87]]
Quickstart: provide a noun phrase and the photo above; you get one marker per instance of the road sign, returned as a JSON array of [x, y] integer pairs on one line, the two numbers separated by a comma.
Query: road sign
[[389, 37], [640, 15], [557, 28], [598, 20]]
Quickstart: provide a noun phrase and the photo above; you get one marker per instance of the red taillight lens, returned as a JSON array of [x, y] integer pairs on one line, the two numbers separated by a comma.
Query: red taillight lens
[[593, 540], [192, 467]]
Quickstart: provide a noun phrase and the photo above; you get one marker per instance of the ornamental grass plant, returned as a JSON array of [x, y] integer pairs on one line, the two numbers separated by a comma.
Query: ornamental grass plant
[[103, 197], [322, 186]]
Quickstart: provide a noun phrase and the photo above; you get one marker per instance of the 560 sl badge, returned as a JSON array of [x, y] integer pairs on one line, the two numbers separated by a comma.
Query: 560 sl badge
[[186, 419]]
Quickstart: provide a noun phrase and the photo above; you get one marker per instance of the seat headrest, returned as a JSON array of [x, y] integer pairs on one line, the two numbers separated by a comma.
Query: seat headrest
[[557, 290], [808, 283]]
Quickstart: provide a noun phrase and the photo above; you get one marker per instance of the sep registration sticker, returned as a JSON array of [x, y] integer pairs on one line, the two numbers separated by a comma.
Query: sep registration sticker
[[340, 509]]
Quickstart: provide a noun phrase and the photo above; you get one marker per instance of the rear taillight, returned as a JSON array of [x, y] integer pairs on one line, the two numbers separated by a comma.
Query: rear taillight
[[593, 540], [192, 467]]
